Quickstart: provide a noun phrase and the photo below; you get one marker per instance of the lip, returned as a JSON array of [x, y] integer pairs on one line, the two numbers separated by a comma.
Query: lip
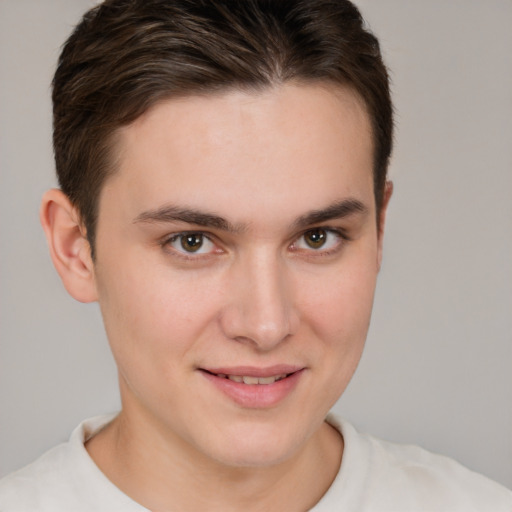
[[253, 371], [255, 396]]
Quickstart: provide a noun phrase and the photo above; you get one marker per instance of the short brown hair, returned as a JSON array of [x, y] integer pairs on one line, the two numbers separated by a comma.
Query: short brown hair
[[126, 55]]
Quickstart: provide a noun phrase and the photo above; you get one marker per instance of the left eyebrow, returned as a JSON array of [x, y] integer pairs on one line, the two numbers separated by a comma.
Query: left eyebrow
[[337, 210]]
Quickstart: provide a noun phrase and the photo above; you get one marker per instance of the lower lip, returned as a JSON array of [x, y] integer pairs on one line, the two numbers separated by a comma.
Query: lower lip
[[256, 396]]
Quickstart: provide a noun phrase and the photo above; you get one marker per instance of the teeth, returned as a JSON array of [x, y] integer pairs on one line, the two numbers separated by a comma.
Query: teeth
[[266, 380], [251, 381]]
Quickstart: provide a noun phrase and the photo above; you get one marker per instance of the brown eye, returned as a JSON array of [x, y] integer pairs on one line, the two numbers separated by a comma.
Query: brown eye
[[191, 245], [320, 240], [315, 238], [191, 242]]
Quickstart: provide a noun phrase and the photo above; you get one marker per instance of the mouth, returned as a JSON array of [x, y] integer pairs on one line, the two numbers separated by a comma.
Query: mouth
[[251, 380], [255, 388]]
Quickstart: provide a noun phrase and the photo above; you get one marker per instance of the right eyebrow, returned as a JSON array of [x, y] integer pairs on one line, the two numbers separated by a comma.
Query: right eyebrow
[[189, 216]]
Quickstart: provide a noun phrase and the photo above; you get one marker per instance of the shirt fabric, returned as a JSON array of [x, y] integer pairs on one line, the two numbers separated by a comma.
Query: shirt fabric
[[375, 476]]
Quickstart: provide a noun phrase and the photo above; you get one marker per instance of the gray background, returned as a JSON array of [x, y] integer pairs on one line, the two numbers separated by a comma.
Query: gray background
[[436, 370]]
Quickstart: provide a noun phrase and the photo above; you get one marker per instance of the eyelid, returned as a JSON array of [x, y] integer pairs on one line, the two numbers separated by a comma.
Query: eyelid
[[168, 239], [170, 236], [337, 231], [333, 229]]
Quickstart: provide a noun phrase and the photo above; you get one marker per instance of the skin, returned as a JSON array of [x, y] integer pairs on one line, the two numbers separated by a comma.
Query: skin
[[255, 294]]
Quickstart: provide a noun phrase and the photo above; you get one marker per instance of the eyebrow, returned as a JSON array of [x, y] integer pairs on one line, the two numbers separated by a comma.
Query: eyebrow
[[189, 216], [337, 210]]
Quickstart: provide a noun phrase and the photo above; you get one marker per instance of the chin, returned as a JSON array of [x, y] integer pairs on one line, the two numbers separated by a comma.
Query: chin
[[257, 446]]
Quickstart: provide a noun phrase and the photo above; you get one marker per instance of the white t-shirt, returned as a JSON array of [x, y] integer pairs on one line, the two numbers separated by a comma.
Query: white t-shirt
[[375, 476]]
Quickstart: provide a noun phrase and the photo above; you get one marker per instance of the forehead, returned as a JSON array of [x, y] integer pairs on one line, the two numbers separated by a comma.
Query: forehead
[[279, 147]]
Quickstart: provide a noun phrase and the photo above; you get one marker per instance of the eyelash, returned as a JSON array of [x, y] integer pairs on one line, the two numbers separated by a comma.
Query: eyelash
[[339, 233], [183, 254], [342, 239]]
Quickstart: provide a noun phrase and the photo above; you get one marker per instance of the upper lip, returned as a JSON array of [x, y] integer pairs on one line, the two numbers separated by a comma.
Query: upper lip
[[254, 371]]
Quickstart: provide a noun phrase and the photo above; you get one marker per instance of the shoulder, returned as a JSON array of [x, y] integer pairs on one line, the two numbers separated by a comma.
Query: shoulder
[[65, 479], [417, 476], [381, 476], [31, 487]]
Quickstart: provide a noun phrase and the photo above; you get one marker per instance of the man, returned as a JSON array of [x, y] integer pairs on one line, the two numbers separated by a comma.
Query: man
[[223, 197]]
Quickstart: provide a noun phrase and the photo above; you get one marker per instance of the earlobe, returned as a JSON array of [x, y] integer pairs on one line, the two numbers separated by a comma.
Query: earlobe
[[69, 248], [388, 192]]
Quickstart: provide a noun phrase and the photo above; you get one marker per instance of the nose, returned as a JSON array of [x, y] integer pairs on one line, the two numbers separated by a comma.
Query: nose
[[260, 309]]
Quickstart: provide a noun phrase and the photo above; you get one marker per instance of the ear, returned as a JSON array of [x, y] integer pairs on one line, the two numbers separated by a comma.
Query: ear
[[388, 192], [69, 248]]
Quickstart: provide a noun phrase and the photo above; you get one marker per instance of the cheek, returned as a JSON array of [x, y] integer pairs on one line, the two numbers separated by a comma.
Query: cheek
[[153, 311], [335, 314], [339, 307], [338, 313]]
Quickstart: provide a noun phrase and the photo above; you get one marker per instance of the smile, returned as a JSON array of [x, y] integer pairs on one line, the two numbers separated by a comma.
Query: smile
[[255, 388], [251, 380]]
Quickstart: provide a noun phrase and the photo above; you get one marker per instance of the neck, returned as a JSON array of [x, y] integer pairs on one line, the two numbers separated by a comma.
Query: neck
[[141, 460]]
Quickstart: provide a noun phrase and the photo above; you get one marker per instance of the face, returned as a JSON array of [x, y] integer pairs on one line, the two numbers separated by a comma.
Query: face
[[237, 254]]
